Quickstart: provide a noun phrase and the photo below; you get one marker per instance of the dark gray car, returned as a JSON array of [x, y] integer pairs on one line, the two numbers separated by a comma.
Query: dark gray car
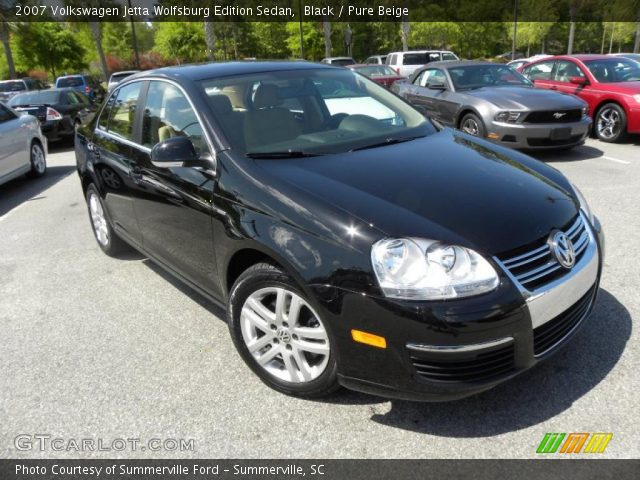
[[494, 101]]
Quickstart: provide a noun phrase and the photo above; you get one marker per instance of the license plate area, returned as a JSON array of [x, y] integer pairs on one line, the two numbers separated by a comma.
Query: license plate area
[[561, 133]]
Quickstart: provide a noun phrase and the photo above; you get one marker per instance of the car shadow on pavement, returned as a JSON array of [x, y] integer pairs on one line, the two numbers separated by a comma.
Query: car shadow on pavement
[[583, 152], [533, 397], [25, 189]]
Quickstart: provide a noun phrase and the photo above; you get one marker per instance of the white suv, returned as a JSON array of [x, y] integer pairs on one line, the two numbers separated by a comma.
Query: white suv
[[405, 63]]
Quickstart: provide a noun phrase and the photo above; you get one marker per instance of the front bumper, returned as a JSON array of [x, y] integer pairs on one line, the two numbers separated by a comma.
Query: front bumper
[[447, 350], [539, 136]]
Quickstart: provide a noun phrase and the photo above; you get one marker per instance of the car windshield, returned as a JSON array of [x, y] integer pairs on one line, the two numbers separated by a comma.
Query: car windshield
[[44, 97], [70, 82], [376, 71], [614, 70], [117, 77], [306, 112], [477, 76], [14, 86], [420, 58], [342, 61]]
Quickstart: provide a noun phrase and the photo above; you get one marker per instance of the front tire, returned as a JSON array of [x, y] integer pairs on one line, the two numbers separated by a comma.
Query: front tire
[[38, 161], [108, 240], [611, 123], [472, 124], [279, 335]]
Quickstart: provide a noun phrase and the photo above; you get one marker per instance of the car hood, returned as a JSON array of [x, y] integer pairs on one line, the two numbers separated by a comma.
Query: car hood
[[525, 98], [447, 186]]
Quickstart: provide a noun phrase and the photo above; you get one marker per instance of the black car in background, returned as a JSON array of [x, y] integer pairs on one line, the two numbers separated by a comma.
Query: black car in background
[[60, 110], [351, 242]]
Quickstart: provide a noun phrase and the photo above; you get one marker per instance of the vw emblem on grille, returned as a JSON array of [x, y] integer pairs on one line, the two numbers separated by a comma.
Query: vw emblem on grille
[[562, 249], [283, 335], [558, 115]]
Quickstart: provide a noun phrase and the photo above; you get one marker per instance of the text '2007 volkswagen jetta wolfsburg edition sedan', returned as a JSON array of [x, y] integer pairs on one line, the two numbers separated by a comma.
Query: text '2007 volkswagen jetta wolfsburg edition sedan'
[[351, 242]]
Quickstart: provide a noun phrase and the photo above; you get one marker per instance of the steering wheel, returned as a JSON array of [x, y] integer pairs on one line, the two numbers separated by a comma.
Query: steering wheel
[[189, 125]]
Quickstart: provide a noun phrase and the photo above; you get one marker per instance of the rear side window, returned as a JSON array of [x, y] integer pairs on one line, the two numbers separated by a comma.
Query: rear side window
[[449, 56], [391, 60], [122, 111], [539, 71]]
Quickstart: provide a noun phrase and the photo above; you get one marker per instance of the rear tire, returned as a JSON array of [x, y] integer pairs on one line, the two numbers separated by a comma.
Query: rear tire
[[108, 240], [38, 160], [610, 124], [279, 336]]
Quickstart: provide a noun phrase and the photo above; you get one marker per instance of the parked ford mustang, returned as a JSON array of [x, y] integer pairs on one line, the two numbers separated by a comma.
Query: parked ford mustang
[[376, 253], [610, 85], [494, 101], [382, 74], [23, 148], [60, 110]]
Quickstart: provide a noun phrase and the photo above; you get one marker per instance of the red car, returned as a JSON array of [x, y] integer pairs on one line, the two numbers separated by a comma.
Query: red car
[[610, 85], [381, 74]]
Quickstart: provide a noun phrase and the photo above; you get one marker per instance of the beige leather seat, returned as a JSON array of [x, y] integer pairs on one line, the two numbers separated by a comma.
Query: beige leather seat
[[178, 114], [268, 122]]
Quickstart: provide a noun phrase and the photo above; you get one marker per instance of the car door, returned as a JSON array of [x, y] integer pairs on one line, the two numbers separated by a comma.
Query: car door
[[112, 158], [567, 69], [13, 146], [175, 210], [428, 98]]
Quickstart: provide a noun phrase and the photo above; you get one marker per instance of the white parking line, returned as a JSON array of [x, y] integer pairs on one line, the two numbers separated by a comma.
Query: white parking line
[[617, 160]]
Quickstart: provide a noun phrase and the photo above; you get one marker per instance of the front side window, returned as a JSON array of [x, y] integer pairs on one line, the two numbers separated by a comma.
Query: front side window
[[614, 70], [167, 114], [123, 110], [478, 76], [432, 76], [565, 70], [314, 111]]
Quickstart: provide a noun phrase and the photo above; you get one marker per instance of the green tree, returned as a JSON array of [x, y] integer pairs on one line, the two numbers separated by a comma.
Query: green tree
[[50, 46], [180, 41], [312, 38], [434, 34]]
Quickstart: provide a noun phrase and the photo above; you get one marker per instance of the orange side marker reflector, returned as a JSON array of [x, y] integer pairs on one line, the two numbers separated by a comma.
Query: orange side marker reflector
[[368, 339], [493, 136]]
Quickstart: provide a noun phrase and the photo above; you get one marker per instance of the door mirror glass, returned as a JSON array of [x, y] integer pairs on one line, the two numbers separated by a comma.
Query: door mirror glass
[[174, 152]]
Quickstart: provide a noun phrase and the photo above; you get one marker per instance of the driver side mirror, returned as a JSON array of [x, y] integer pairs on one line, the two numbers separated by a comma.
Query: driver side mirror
[[180, 152], [436, 86], [578, 80]]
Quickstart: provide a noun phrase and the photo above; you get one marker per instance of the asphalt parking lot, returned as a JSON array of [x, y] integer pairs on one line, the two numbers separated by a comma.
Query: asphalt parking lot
[[94, 347]]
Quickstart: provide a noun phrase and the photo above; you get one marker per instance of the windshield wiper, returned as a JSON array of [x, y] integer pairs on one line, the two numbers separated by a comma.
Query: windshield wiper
[[388, 141], [282, 154]]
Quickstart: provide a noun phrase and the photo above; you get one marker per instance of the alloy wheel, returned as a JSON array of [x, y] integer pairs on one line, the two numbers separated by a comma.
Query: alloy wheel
[[284, 335], [471, 127], [98, 220], [609, 123], [37, 159]]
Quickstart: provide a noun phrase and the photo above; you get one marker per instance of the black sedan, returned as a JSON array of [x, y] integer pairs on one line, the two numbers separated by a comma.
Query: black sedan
[[60, 110], [351, 242]]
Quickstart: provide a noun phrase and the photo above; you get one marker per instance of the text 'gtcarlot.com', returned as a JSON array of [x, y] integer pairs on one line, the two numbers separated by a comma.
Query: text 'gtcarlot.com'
[[45, 442]]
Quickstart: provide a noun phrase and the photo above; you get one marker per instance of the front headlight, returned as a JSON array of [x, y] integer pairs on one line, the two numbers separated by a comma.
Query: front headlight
[[585, 110], [510, 117], [419, 269], [584, 206]]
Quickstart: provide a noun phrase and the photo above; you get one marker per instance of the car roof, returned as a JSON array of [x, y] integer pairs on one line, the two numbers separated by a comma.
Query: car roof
[[460, 63], [583, 57], [224, 69], [422, 51], [125, 72]]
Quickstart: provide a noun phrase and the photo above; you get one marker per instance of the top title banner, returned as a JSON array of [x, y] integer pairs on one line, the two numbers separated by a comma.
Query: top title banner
[[320, 10]]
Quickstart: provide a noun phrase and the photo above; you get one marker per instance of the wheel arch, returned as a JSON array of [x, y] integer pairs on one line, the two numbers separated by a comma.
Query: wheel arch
[[464, 111]]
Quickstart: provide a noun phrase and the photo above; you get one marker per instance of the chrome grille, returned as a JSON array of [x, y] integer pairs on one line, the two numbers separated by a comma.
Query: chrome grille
[[538, 266]]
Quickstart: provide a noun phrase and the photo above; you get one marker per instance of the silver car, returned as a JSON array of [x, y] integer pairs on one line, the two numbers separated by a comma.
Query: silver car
[[23, 148], [494, 101]]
